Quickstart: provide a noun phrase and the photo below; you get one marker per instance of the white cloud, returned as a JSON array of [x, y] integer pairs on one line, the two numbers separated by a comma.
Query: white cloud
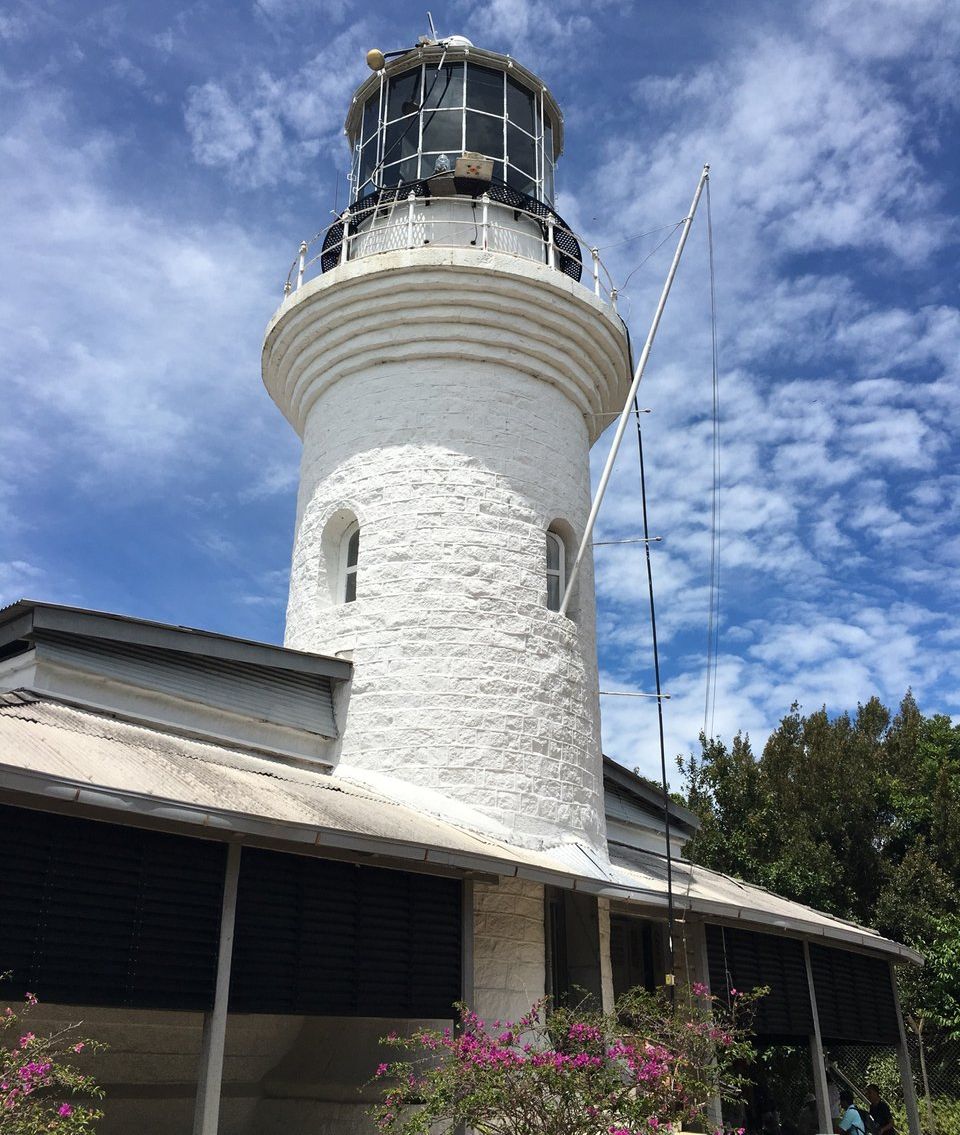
[[264, 128], [890, 29], [537, 32], [20, 579], [839, 410], [131, 336], [282, 11], [13, 28], [135, 76]]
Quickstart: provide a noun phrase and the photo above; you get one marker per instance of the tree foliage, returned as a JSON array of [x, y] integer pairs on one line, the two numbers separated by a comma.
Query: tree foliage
[[856, 815]]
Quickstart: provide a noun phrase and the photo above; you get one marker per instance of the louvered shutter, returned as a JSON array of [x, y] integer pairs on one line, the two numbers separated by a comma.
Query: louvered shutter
[[744, 960], [855, 997], [100, 914], [316, 936]]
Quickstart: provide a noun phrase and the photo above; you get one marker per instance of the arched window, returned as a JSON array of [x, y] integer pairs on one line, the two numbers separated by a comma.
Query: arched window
[[349, 555], [556, 574]]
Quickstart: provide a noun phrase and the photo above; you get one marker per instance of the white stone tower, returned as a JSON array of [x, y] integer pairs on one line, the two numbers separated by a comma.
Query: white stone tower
[[447, 372]]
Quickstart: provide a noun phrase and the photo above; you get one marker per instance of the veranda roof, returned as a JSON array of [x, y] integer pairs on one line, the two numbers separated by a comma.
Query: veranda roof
[[64, 757]]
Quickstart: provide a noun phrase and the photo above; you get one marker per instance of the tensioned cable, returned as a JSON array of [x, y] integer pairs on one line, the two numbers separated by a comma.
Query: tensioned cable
[[713, 615], [652, 252], [659, 696], [639, 236]]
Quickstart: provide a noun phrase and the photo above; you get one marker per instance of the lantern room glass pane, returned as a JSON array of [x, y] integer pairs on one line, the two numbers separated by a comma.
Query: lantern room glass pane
[[485, 89], [404, 96], [548, 139], [520, 106], [402, 139], [442, 131], [445, 91], [520, 149], [400, 173], [485, 134], [521, 181], [368, 159], [371, 118]]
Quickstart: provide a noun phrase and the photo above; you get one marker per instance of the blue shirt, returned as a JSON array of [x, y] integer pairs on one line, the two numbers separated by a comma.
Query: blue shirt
[[851, 1120]]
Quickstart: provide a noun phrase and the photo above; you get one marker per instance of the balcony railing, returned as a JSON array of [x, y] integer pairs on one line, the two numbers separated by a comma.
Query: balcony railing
[[500, 220]]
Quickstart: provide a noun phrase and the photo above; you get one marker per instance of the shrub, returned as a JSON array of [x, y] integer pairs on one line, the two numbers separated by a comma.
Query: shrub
[[40, 1085], [653, 1063]]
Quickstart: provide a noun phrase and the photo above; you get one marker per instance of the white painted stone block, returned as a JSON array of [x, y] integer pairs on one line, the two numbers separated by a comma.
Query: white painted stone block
[[509, 952]]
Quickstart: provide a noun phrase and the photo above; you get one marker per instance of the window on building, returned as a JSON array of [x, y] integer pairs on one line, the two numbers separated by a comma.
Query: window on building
[[572, 940], [349, 556], [556, 574], [636, 953]]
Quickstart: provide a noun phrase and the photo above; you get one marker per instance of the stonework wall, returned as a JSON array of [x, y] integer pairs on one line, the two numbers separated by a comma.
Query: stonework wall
[[509, 951], [450, 410]]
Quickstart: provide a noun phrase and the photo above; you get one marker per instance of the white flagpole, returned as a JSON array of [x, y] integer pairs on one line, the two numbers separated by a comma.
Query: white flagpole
[[638, 375]]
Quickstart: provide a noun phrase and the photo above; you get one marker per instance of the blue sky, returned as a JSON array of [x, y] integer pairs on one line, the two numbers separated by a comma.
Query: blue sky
[[160, 162]]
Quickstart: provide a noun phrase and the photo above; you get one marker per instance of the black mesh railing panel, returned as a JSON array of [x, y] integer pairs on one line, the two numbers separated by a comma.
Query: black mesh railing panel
[[568, 256]]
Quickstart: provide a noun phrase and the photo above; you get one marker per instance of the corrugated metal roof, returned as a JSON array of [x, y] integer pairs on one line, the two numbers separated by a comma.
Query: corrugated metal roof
[[53, 751], [98, 759]]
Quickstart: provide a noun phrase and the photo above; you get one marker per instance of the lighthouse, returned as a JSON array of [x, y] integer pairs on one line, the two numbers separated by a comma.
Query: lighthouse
[[447, 359]]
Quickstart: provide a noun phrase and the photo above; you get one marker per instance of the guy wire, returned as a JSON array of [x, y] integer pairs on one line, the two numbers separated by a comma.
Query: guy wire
[[713, 616]]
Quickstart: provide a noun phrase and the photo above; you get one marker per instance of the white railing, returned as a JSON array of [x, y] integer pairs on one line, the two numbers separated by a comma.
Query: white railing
[[449, 222]]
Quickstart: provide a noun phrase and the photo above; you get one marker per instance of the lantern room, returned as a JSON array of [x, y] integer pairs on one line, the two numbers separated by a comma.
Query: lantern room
[[439, 101]]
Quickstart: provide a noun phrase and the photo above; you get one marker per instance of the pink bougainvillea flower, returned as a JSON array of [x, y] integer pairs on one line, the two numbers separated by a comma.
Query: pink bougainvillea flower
[[64, 1109]]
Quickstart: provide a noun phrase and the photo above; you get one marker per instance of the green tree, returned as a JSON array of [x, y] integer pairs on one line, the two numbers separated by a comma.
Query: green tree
[[857, 815]]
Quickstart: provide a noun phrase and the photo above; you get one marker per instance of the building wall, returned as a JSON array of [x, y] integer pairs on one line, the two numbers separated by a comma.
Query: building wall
[[509, 952], [447, 404], [282, 1075]]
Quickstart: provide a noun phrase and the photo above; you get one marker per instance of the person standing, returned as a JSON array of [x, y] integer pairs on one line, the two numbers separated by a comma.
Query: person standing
[[880, 1112], [833, 1096], [808, 1121], [850, 1123]]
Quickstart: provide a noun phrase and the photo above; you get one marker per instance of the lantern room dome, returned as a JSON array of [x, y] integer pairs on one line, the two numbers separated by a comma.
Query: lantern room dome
[[431, 105]]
